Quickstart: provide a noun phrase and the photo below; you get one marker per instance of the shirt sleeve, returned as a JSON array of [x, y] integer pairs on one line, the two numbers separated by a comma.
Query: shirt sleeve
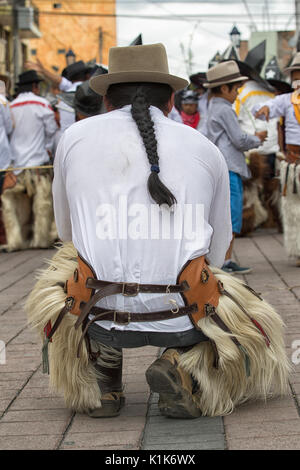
[[65, 84], [241, 140], [277, 107], [60, 198], [219, 218], [7, 119], [50, 127]]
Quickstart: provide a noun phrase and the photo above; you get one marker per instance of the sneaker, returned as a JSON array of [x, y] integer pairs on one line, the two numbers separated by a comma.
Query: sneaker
[[234, 268], [174, 385]]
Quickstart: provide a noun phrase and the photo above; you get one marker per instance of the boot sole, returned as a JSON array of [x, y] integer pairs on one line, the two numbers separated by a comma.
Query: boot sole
[[108, 409], [174, 400]]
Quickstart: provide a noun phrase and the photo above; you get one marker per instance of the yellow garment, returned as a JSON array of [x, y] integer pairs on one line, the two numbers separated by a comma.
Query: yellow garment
[[295, 99], [241, 100]]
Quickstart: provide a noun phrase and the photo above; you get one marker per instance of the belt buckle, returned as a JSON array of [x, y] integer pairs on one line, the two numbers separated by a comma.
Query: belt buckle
[[122, 323], [130, 284]]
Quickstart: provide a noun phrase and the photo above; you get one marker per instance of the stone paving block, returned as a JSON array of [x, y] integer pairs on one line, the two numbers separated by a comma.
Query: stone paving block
[[108, 449], [36, 415], [37, 428], [162, 424], [136, 387], [168, 439], [4, 404], [12, 376], [38, 404], [11, 384], [287, 442], [134, 378], [217, 444], [29, 442], [139, 409], [137, 397], [87, 440], [15, 365], [267, 429], [8, 394], [261, 415], [38, 392], [83, 423]]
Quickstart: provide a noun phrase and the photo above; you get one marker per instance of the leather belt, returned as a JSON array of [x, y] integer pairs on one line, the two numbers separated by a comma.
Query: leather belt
[[107, 288], [130, 289], [124, 318]]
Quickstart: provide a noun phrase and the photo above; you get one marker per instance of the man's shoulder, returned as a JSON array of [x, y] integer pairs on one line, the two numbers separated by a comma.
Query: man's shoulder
[[30, 98]]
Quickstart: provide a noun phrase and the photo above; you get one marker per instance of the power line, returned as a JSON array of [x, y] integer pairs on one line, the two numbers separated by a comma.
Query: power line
[[249, 14], [173, 16]]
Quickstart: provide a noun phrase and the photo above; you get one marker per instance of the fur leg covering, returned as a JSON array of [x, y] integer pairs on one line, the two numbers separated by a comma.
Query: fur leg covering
[[16, 212], [252, 198], [75, 377], [224, 387], [290, 207], [42, 211], [220, 389]]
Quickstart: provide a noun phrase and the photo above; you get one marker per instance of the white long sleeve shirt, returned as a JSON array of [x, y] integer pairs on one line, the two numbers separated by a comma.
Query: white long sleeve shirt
[[66, 113], [34, 130], [6, 127], [102, 204], [251, 94], [282, 106]]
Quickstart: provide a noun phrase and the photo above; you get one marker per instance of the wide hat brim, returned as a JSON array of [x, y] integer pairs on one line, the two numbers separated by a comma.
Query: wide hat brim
[[291, 68], [241, 78], [101, 83], [27, 82], [252, 74]]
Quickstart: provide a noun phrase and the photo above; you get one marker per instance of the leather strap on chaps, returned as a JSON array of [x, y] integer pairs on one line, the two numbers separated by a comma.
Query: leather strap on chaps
[[196, 283]]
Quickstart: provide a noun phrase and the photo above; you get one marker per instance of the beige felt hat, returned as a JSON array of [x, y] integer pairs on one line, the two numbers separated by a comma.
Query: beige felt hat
[[295, 65], [147, 63], [223, 73]]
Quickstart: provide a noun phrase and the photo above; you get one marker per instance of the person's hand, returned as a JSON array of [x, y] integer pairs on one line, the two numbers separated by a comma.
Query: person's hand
[[262, 135], [264, 111]]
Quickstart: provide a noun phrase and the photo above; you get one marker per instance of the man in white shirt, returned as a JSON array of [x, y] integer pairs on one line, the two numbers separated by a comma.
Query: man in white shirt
[[287, 105], [6, 128], [74, 75], [144, 201], [31, 141]]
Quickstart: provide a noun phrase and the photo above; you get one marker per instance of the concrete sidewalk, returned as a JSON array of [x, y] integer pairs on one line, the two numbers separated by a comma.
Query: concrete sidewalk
[[32, 418]]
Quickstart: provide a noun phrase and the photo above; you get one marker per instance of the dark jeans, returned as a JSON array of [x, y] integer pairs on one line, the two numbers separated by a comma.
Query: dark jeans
[[136, 339]]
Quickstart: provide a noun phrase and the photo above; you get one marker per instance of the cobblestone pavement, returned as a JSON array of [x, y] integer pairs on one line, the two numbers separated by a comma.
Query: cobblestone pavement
[[31, 417]]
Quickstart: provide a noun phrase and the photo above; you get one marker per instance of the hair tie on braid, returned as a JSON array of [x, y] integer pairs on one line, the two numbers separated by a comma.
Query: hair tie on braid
[[141, 96], [155, 168]]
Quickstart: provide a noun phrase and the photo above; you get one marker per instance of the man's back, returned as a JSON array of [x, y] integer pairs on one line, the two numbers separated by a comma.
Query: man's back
[[34, 129], [101, 173]]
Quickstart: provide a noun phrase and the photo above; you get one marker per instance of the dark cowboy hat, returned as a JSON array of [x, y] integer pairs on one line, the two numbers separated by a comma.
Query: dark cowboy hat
[[280, 85], [74, 69], [30, 76], [86, 101], [197, 79], [251, 73]]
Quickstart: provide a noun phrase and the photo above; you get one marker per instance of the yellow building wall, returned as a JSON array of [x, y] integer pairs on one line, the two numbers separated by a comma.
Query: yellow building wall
[[79, 33]]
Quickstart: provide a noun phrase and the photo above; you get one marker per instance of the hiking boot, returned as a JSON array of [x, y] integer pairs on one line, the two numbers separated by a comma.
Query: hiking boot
[[111, 405], [234, 268], [174, 385]]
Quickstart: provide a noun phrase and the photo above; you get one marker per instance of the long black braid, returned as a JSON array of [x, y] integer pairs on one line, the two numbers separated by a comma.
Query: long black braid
[[141, 97]]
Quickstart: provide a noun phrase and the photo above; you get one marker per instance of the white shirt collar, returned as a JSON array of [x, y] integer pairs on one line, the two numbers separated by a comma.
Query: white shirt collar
[[153, 109]]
